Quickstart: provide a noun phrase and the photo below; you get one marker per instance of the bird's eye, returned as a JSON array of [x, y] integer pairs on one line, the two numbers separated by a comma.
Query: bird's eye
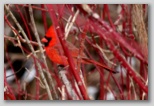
[[49, 40]]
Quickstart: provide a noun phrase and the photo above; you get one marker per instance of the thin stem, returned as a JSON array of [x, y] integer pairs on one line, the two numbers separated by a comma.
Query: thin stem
[[66, 51], [31, 48], [42, 52]]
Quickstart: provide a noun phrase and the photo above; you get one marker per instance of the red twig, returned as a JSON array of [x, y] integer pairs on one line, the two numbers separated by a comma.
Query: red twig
[[8, 93], [37, 81], [66, 51], [24, 21], [106, 10], [44, 18], [102, 83], [34, 7]]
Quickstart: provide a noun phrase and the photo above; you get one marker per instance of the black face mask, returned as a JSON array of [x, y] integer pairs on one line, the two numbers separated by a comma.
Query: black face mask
[[49, 39]]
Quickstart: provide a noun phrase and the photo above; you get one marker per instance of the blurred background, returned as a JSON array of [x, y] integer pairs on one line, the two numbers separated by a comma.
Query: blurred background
[[115, 35]]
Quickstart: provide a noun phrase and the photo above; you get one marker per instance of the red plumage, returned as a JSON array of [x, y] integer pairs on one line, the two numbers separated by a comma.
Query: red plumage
[[55, 52]]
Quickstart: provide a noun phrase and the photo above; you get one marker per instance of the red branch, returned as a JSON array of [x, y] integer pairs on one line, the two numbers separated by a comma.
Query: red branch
[[67, 53]]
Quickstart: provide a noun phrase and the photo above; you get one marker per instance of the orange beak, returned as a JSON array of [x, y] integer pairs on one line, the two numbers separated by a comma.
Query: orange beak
[[44, 40]]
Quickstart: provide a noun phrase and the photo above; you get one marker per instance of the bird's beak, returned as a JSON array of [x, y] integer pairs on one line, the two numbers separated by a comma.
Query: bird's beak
[[44, 40]]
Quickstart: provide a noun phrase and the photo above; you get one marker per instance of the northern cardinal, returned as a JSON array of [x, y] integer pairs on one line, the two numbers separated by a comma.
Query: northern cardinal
[[55, 52]]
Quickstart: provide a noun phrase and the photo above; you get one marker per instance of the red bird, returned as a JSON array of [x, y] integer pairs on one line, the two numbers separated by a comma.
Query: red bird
[[55, 52]]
